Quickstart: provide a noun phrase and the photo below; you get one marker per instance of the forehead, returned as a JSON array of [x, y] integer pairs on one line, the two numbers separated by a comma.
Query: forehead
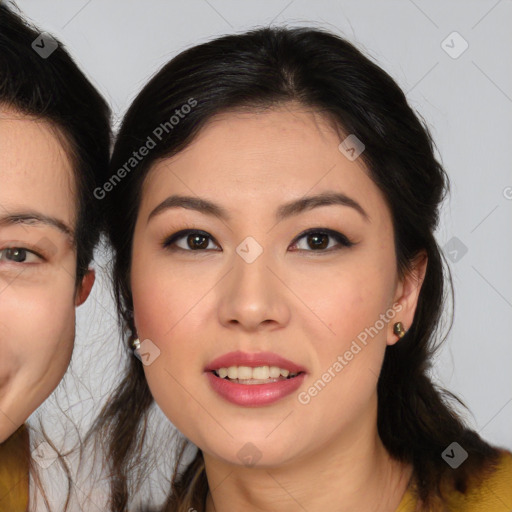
[[269, 156], [35, 170]]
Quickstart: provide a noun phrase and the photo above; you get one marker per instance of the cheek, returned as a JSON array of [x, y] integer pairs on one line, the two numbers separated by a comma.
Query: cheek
[[37, 335], [175, 310], [348, 334], [338, 303], [172, 303], [173, 313]]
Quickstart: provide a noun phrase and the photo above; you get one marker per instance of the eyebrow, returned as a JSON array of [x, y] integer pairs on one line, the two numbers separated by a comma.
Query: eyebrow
[[35, 218], [286, 210]]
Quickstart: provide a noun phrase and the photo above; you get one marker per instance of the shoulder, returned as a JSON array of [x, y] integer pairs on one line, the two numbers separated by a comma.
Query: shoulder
[[14, 467], [492, 494]]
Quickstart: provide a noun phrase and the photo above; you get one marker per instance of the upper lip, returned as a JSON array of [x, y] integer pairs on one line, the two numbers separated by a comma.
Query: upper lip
[[253, 360]]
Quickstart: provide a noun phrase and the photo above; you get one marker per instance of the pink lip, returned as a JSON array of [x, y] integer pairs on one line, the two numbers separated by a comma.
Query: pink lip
[[253, 360], [254, 395]]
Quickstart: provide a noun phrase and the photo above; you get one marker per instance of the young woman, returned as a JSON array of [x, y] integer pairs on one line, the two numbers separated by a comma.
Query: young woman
[[272, 207], [54, 149]]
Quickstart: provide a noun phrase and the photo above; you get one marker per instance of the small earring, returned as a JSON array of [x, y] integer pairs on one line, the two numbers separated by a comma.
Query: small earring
[[399, 330], [136, 344]]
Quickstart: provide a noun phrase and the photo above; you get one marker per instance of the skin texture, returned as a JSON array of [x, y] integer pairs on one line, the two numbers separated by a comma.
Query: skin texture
[[37, 294], [304, 303]]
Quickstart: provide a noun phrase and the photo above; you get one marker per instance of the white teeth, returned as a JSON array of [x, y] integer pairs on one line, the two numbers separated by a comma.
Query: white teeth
[[274, 372], [258, 373], [243, 372]]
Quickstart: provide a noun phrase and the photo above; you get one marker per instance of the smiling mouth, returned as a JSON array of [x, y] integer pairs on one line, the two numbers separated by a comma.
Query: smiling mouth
[[222, 373]]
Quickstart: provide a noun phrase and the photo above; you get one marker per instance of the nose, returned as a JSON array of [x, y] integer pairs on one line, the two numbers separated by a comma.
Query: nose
[[253, 295]]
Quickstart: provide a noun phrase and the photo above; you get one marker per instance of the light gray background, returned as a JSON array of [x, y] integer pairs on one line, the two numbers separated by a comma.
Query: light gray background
[[466, 101]]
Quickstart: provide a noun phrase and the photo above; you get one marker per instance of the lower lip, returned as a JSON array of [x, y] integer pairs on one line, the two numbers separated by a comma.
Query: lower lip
[[254, 395]]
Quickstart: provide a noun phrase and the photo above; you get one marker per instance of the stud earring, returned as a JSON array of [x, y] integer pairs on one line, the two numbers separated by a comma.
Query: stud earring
[[136, 344], [399, 330]]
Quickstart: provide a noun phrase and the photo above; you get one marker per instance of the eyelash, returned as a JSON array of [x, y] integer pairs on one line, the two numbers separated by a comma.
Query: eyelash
[[339, 237]]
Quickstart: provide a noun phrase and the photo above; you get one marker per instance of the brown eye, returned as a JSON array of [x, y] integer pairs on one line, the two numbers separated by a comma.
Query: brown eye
[[197, 241], [317, 240]]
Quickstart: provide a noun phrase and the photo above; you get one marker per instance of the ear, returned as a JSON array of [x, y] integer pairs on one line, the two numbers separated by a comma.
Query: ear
[[406, 296], [85, 287]]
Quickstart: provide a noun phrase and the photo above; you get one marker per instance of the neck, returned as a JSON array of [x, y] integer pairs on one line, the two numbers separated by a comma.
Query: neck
[[351, 472]]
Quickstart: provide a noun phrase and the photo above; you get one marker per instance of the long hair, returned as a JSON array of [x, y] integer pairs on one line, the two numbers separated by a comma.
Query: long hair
[[264, 68], [52, 88]]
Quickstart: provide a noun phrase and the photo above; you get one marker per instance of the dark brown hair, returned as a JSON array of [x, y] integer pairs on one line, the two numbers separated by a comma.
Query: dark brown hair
[[264, 68], [55, 90]]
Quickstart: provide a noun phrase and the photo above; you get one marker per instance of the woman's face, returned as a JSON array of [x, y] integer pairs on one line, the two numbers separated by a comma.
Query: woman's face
[[251, 282], [37, 266]]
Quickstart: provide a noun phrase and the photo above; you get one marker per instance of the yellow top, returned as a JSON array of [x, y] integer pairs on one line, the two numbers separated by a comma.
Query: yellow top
[[14, 478], [491, 495]]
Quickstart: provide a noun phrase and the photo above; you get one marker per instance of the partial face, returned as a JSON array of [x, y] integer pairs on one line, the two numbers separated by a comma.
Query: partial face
[[37, 266], [255, 281]]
